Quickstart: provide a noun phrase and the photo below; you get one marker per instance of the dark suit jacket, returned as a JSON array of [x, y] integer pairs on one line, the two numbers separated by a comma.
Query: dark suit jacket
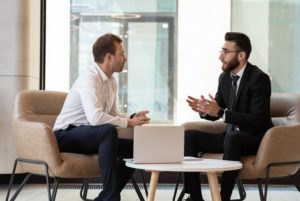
[[252, 109]]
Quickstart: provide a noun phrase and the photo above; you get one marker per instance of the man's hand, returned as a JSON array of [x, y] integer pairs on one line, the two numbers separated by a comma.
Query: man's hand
[[203, 105], [139, 118], [141, 113]]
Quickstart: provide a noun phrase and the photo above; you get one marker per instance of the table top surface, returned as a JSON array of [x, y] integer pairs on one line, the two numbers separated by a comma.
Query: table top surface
[[190, 164]]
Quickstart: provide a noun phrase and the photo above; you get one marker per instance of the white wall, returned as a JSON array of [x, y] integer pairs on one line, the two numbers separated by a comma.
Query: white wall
[[19, 65], [201, 28]]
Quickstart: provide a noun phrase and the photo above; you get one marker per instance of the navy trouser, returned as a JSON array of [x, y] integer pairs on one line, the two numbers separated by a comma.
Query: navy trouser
[[104, 141], [233, 145]]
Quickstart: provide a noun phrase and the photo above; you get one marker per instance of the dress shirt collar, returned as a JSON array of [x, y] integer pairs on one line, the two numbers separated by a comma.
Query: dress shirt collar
[[240, 73], [101, 74]]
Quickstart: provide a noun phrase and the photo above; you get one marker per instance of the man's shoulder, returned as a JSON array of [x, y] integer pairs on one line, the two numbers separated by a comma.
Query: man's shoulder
[[224, 77], [255, 76], [89, 73], [255, 70]]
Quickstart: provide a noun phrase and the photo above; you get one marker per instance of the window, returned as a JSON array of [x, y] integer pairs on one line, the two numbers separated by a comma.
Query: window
[[148, 33], [276, 44], [172, 49]]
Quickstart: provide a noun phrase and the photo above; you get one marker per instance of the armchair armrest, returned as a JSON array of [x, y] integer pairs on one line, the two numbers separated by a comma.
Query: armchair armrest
[[280, 144], [36, 141]]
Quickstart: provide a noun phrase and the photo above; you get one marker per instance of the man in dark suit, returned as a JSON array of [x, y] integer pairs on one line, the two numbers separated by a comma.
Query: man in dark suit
[[243, 102]]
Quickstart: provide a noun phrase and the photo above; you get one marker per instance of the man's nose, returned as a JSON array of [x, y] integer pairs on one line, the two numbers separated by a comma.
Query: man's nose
[[221, 57]]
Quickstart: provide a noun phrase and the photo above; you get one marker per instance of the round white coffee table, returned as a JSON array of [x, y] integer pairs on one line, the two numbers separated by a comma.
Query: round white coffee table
[[210, 166]]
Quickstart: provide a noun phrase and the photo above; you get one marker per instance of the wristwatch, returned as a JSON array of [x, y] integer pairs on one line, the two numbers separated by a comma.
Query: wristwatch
[[221, 113]]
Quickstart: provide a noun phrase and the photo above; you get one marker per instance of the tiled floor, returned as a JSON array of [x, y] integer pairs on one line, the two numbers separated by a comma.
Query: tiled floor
[[164, 193]]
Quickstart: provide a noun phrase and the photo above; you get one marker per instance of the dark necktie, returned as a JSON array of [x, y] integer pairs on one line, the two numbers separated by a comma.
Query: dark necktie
[[232, 95], [232, 98]]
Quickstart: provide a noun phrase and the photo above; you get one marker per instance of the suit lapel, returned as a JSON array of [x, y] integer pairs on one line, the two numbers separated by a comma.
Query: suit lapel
[[243, 81]]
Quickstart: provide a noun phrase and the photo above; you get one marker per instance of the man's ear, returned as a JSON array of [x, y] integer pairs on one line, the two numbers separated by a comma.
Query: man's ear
[[242, 55], [108, 56]]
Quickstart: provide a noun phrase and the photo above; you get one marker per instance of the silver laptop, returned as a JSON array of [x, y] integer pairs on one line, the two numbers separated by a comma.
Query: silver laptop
[[158, 144]]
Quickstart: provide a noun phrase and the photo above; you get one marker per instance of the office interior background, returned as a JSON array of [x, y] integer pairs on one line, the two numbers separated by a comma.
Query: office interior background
[[172, 49]]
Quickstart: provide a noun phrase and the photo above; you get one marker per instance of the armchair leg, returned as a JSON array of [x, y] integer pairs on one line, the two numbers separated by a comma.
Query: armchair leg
[[181, 195], [294, 182], [262, 193], [84, 189], [144, 182], [241, 190], [14, 196], [176, 186], [55, 187], [137, 189], [11, 183], [12, 179]]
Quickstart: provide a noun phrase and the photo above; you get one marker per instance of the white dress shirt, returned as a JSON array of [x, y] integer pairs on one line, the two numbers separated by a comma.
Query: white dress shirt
[[240, 74], [91, 101]]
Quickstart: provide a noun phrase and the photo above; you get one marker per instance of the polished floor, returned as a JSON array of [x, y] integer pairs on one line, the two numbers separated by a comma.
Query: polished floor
[[70, 192]]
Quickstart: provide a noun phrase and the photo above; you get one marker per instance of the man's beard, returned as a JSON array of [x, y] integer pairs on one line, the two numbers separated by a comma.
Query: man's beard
[[231, 65]]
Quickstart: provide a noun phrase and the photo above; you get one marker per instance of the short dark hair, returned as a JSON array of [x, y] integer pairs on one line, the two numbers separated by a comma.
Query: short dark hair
[[241, 40], [105, 44]]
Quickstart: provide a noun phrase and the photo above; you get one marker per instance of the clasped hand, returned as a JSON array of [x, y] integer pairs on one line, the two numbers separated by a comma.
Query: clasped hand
[[139, 118], [204, 105]]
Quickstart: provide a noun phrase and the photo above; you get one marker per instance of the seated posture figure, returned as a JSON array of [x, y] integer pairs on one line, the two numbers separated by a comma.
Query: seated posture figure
[[243, 102], [88, 120]]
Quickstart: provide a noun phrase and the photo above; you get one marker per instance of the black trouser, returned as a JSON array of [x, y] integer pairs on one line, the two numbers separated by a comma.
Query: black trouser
[[104, 141], [233, 145]]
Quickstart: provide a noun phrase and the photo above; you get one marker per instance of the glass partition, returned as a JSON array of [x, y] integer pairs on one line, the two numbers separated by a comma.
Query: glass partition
[[274, 27], [148, 30]]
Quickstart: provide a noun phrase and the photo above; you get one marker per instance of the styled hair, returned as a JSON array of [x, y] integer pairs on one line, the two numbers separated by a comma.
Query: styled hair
[[105, 44], [241, 40]]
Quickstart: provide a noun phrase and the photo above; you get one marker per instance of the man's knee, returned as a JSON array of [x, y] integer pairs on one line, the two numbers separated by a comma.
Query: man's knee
[[232, 147], [189, 136], [190, 142], [108, 131], [232, 139]]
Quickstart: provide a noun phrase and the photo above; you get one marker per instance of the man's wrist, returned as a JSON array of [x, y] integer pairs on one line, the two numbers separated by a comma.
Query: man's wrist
[[221, 113], [131, 116], [129, 123]]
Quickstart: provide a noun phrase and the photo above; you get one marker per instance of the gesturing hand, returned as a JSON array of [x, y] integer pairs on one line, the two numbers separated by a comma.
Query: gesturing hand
[[203, 105]]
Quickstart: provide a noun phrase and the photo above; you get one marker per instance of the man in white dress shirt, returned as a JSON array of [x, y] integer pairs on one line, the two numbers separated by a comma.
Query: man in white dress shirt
[[89, 119]]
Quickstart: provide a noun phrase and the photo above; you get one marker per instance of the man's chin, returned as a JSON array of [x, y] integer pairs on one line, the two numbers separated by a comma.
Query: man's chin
[[120, 69], [224, 69]]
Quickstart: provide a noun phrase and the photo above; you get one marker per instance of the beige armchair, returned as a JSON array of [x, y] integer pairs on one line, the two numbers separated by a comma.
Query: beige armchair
[[279, 152], [35, 112]]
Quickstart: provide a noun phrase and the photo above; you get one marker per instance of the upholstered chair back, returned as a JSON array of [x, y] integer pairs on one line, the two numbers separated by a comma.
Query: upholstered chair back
[[285, 108], [39, 106]]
